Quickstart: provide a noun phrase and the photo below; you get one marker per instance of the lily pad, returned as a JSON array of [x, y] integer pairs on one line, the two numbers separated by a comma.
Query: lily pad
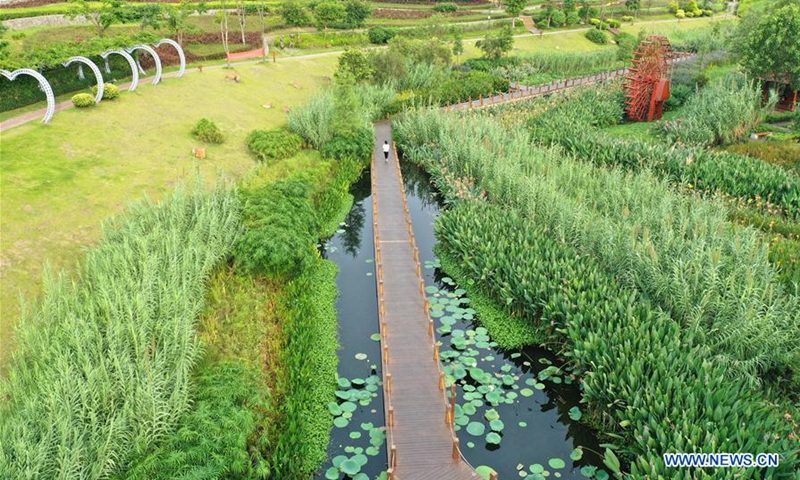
[[526, 392], [361, 356], [575, 413], [497, 425], [332, 473], [537, 468], [334, 408], [476, 429], [484, 471], [576, 454], [376, 337], [493, 438], [341, 422], [492, 414], [350, 467], [556, 463]]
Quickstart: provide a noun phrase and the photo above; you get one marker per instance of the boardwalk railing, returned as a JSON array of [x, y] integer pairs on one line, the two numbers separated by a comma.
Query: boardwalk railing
[[523, 92]]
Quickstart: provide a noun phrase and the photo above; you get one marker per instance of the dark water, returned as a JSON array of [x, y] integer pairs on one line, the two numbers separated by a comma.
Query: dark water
[[359, 356], [548, 432]]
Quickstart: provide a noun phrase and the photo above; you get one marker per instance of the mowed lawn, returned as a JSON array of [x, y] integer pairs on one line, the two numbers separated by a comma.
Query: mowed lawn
[[59, 181]]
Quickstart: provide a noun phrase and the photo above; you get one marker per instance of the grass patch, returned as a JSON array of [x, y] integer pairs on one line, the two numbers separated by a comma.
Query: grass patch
[[60, 180]]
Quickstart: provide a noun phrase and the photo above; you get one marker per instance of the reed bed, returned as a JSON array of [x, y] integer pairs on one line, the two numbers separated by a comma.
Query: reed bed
[[679, 251], [103, 365]]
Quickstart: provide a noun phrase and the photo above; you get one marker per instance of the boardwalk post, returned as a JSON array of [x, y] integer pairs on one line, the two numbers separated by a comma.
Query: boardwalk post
[[441, 381], [390, 474], [383, 330], [470, 101], [453, 397], [386, 354], [435, 352], [388, 383], [481, 99], [492, 475], [456, 445], [430, 328], [448, 414], [394, 456], [391, 416]]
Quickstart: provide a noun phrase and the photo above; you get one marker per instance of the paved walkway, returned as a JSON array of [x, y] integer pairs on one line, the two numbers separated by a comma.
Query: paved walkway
[[421, 440]]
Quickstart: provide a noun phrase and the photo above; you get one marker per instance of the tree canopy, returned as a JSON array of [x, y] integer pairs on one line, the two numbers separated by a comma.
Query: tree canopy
[[771, 46]]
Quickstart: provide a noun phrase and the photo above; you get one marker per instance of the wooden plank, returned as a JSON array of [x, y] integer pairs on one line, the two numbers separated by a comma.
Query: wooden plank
[[424, 442]]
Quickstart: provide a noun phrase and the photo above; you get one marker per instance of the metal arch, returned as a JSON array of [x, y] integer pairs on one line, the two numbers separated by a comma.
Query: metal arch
[[97, 75], [131, 62], [177, 46], [156, 58], [44, 85]]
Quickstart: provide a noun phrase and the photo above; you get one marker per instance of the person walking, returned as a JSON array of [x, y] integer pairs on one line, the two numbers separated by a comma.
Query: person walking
[[386, 150]]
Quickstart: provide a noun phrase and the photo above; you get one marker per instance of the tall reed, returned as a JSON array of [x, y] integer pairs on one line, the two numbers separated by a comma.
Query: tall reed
[[679, 251], [103, 364]]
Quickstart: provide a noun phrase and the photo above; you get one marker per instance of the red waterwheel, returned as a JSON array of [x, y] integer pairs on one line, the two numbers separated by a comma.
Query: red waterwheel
[[647, 82]]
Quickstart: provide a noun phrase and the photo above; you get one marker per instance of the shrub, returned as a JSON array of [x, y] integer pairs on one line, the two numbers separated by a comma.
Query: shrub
[[446, 7], [613, 23], [558, 18], [573, 18], [594, 21], [357, 13], [273, 144], [678, 95], [280, 229], [627, 18], [207, 131], [110, 91], [354, 144], [462, 86], [82, 100], [680, 14], [597, 36], [495, 45], [381, 35]]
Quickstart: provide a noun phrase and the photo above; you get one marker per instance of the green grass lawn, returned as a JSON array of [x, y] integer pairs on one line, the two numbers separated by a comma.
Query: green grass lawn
[[59, 181]]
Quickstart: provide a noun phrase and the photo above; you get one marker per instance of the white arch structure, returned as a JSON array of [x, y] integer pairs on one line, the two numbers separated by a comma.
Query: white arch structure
[[177, 46], [131, 62], [156, 58], [97, 75], [44, 85]]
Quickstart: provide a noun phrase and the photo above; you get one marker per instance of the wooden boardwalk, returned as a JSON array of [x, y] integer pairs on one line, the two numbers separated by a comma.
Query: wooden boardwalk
[[421, 443]]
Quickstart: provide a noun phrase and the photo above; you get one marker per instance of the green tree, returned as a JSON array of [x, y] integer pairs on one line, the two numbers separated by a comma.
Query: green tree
[[496, 45], [150, 15], [330, 13], [569, 6], [176, 19], [294, 14], [355, 64], [357, 13], [771, 47], [458, 42], [101, 14], [514, 8], [633, 6]]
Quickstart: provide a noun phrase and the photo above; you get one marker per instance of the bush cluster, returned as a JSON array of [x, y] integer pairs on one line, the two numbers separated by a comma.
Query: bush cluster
[[207, 131], [82, 100], [462, 86], [110, 91], [269, 145], [381, 35], [445, 7], [597, 36]]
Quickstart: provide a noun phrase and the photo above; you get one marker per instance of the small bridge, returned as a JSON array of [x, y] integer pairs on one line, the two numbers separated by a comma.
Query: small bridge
[[530, 25], [421, 442]]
